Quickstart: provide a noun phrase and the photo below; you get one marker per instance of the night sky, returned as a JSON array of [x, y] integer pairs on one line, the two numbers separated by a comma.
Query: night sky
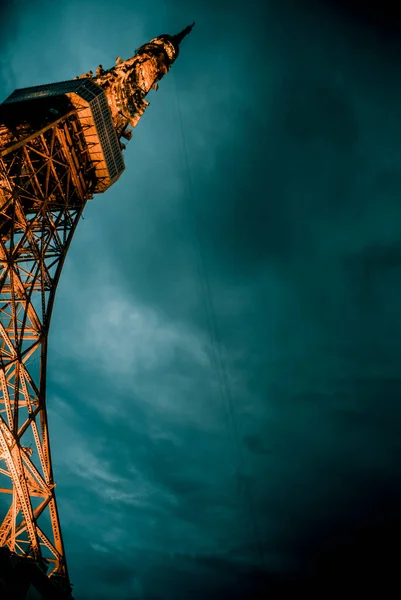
[[224, 362]]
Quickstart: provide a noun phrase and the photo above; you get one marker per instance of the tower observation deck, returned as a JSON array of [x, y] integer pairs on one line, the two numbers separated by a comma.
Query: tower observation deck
[[59, 145]]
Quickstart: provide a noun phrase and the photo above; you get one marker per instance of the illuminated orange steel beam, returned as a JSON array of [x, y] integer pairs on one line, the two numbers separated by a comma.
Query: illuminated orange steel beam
[[59, 144]]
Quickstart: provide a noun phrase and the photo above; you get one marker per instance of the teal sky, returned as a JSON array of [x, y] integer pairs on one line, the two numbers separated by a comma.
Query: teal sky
[[288, 162]]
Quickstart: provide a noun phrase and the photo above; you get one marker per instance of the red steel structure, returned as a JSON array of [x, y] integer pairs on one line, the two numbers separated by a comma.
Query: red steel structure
[[59, 145]]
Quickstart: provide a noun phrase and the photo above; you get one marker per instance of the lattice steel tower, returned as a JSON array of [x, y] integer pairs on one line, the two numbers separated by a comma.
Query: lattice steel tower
[[59, 145]]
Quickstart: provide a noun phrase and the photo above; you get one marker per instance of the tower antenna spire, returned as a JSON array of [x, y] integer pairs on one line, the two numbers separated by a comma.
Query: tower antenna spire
[[180, 36]]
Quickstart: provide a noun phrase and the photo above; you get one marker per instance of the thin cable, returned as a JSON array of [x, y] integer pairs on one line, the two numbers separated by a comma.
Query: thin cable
[[221, 369]]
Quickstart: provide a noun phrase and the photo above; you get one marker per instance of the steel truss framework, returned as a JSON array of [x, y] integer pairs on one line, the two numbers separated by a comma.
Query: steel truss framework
[[45, 181]]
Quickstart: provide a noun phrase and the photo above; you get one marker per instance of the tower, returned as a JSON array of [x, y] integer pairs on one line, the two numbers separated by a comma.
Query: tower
[[59, 145]]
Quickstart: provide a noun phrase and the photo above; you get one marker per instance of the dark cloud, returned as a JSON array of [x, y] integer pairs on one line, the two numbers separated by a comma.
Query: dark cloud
[[214, 576], [356, 549], [381, 17], [255, 444], [8, 29], [6, 12]]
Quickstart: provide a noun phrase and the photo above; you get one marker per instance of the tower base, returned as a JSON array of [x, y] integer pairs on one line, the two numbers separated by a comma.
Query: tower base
[[22, 579]]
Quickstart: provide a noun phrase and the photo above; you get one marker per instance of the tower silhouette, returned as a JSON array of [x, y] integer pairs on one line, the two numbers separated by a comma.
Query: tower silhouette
[[59, 145]]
